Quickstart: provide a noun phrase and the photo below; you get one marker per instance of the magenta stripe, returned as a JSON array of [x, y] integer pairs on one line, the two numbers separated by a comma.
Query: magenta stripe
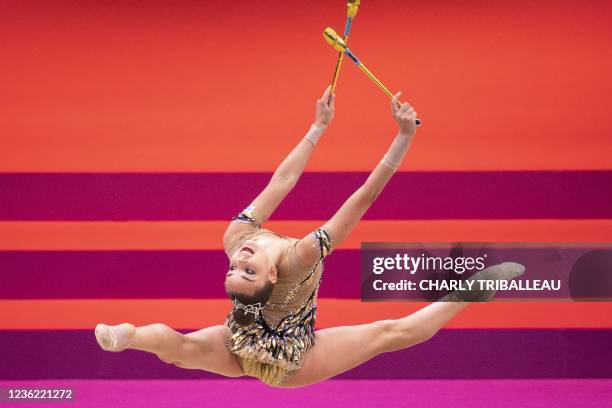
[[452, 353], [218, 196], [142, 274]]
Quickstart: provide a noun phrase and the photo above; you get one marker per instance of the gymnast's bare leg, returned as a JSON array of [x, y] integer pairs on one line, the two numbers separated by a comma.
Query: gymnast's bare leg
[[339, 349], [200, 350]]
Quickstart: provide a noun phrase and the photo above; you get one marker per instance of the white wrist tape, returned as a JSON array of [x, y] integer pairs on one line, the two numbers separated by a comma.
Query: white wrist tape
[[394, 156], [314, 134]]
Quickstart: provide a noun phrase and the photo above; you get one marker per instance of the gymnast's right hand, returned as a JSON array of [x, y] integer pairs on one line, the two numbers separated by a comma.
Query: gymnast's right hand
[[404, 116], [325, 109]]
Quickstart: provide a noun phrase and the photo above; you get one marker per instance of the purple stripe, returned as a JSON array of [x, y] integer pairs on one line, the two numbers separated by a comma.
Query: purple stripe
[[239, 393], [461, 354], [218, 196], [142, 274]]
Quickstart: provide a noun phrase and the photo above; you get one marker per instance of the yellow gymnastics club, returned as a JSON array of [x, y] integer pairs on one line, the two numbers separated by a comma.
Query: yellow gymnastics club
[[352, 7], [339, 45]]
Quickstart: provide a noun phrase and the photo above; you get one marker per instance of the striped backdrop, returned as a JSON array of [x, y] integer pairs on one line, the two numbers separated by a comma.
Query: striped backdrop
[[130, 133]]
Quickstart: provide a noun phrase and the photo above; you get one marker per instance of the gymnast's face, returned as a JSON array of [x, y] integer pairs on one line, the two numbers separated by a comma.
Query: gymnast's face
[[249, 270]]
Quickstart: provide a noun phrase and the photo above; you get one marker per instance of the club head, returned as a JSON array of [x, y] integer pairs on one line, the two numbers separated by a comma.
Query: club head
[[352, 7], [334, 39]]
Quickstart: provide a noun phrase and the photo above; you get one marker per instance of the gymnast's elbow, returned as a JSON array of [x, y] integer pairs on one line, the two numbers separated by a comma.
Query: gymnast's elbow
[[284, 181]]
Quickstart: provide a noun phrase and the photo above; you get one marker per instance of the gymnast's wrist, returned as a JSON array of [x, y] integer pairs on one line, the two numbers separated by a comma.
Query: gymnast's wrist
[[397, 151], [318, 126], [405, 134], [390, 163], [314, 133]]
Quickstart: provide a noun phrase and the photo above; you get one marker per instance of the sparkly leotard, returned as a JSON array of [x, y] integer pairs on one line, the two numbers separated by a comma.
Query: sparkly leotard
[[272, 348]]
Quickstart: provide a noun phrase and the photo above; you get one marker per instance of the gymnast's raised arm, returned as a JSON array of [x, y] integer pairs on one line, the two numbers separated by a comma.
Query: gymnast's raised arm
[[345, 219], [289, 171]]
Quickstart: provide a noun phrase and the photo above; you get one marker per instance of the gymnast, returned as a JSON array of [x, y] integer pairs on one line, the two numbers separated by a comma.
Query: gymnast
[[273, 281]]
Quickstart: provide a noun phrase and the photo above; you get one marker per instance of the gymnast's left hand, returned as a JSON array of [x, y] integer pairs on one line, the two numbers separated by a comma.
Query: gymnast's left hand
[[325, 108]]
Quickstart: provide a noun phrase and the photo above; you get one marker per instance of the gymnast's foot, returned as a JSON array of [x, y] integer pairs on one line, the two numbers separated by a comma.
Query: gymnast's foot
[[505, 271], [115, 338]]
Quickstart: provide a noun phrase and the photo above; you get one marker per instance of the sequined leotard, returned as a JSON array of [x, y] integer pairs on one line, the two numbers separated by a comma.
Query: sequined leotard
[[272, 348]]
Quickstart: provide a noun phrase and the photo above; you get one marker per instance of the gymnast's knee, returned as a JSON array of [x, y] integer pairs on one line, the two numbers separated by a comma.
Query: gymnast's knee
[[180, 355], [385, 335], [399, 334], [177, 361], [160, 329]]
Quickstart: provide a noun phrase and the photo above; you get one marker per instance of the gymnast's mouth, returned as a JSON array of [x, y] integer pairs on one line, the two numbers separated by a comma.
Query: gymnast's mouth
[[248, 249]]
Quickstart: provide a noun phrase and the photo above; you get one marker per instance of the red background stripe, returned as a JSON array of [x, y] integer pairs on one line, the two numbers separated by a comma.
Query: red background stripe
[[218, 85]]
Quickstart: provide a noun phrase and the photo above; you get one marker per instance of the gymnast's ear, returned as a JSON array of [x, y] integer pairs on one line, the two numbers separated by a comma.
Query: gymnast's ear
[[273, 274]]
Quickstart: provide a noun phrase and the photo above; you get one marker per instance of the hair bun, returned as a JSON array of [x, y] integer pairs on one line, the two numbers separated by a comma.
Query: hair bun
[[243, 318]]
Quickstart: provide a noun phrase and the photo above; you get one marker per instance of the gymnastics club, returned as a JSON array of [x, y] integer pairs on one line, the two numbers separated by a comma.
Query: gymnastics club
[[352, 7], [339, 45]]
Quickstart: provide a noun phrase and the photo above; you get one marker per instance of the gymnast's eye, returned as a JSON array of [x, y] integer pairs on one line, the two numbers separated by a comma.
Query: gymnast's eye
[[250, 271], [232, 268]]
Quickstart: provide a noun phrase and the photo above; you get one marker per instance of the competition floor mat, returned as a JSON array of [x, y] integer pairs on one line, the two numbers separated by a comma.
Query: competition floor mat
[[523, 393]]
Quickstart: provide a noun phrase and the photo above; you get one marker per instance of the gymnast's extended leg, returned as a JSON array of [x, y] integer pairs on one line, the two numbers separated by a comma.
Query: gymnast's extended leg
[[202, 350], [339, 349]]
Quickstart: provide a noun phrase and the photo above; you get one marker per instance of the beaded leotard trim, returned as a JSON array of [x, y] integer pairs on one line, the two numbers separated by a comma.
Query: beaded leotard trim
[[246, 216], [284, 344]]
